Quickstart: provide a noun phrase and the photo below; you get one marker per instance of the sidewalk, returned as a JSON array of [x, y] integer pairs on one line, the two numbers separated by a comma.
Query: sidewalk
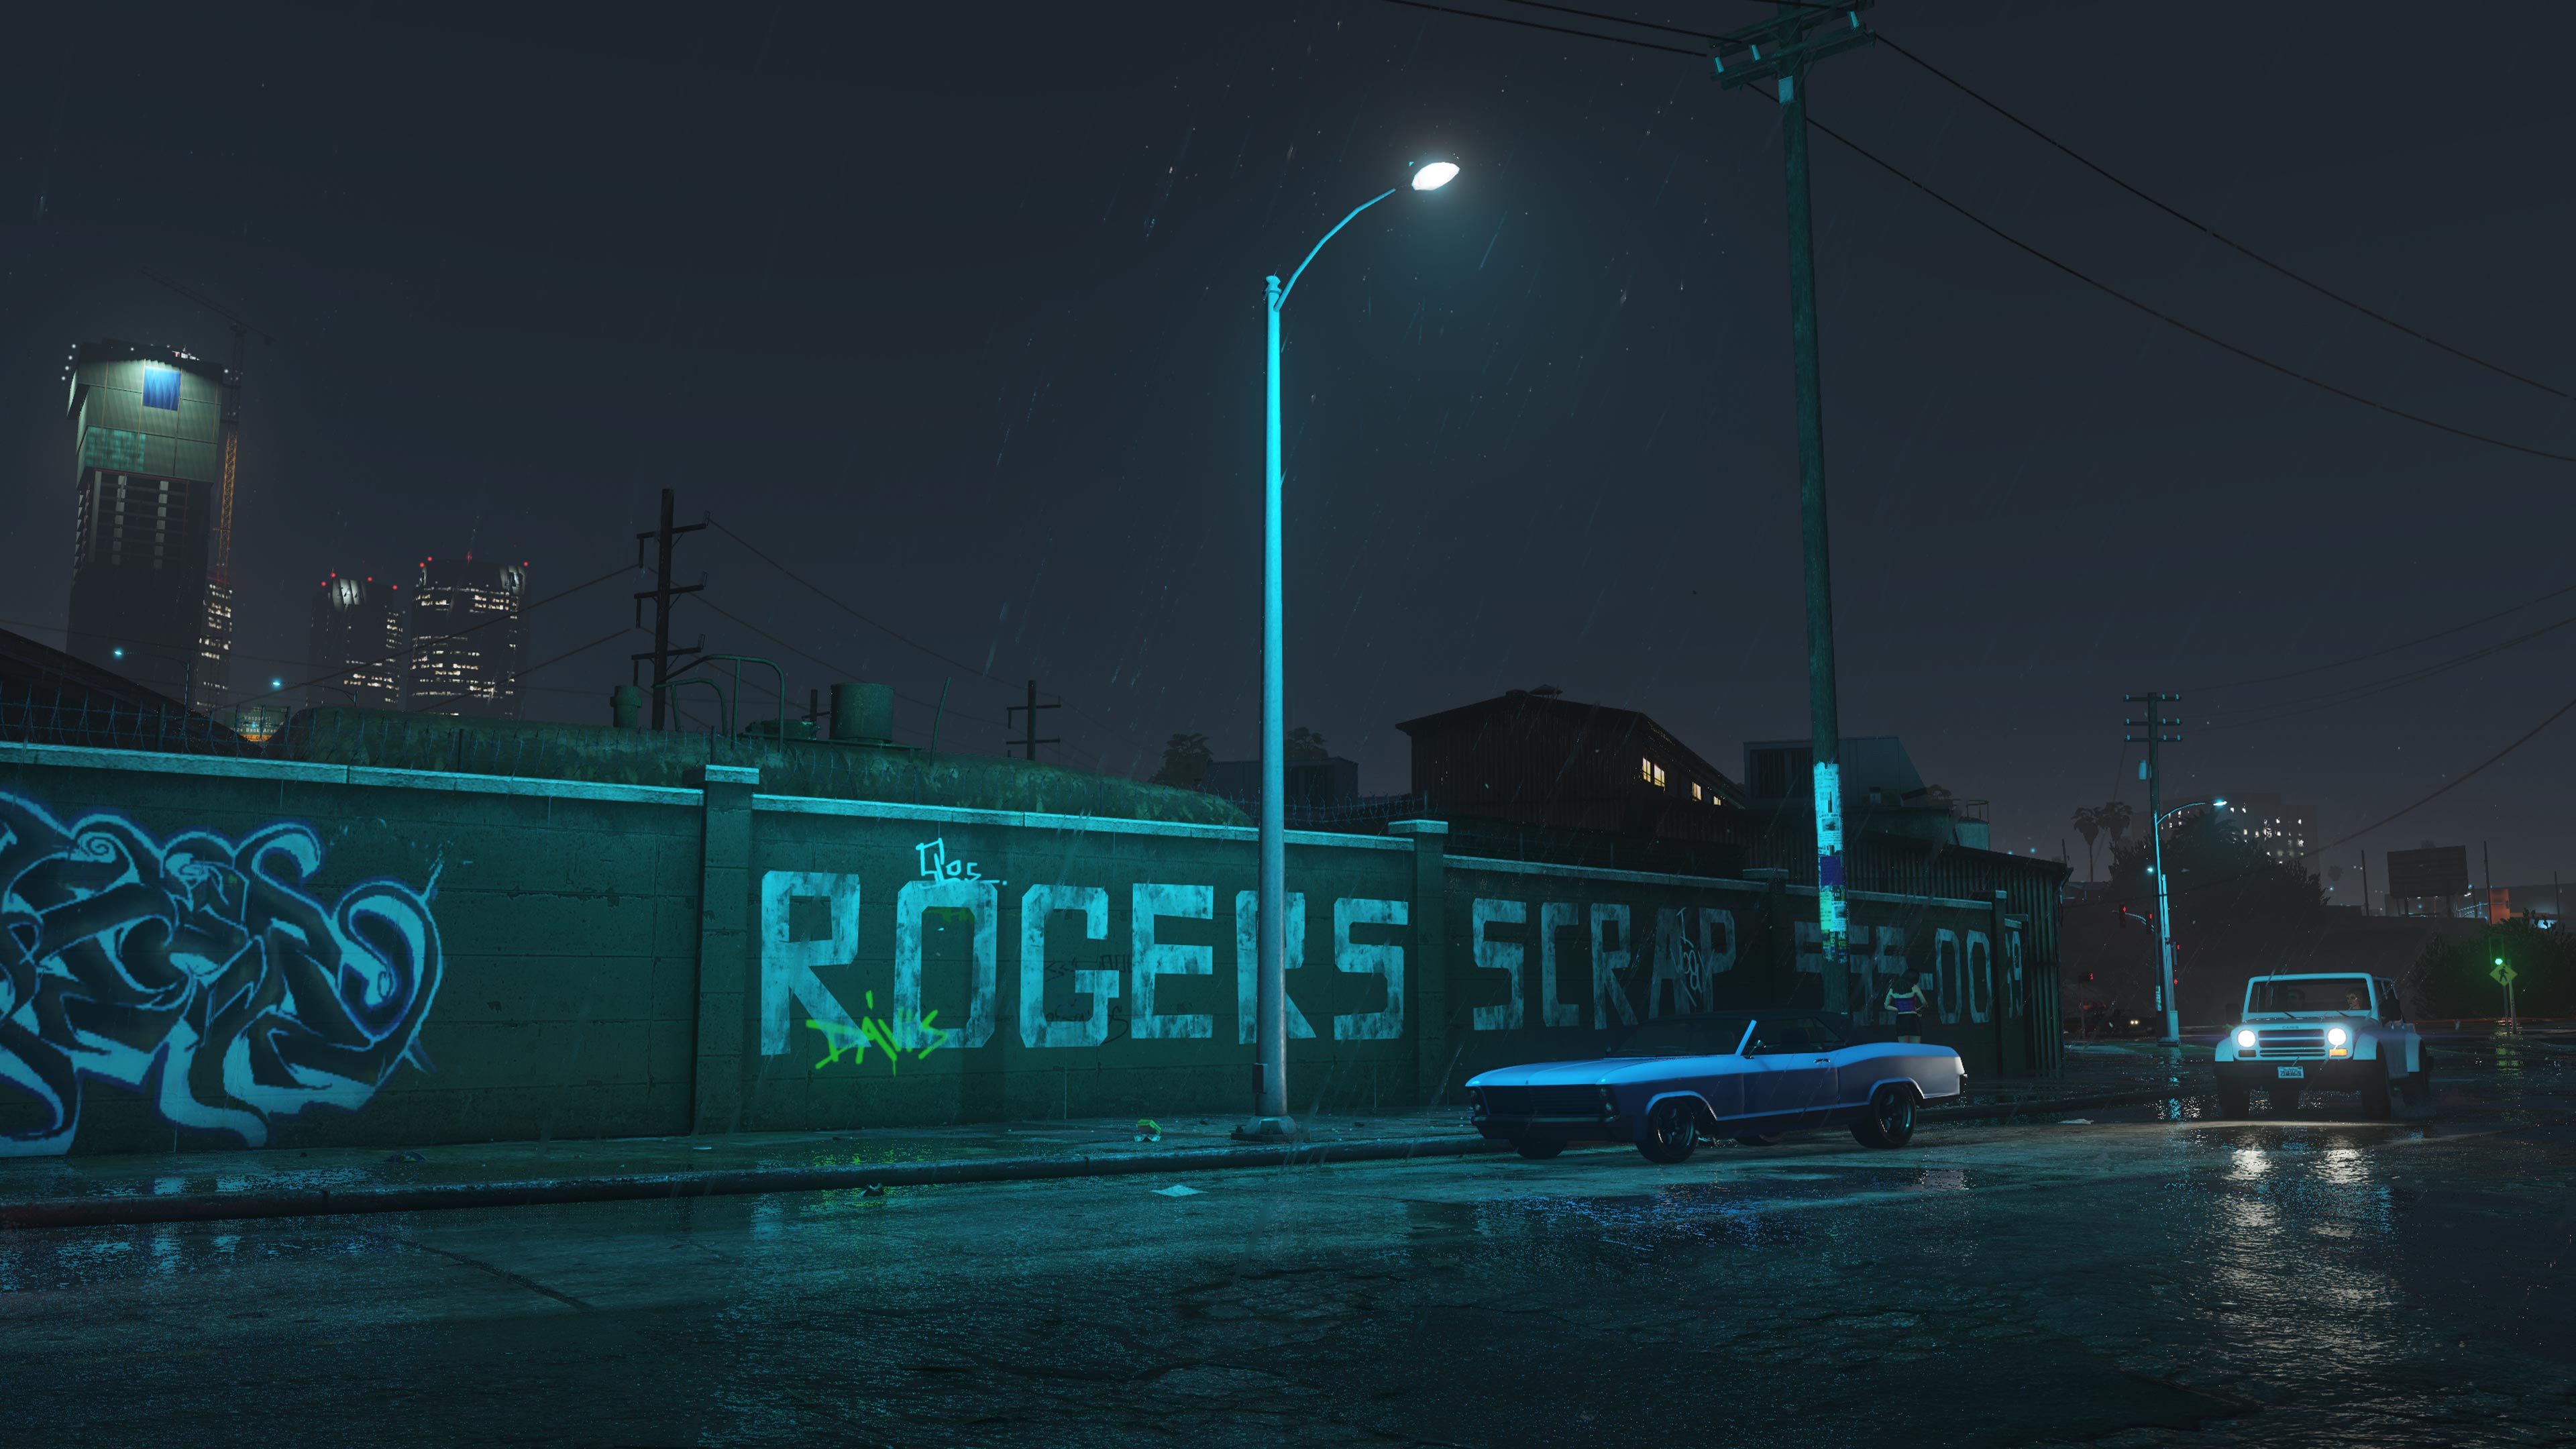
[[885, 1150], [293, 1182]]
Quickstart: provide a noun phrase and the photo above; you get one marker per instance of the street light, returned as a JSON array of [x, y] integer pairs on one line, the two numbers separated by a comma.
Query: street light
[[2164, 912], [1270, 1006]]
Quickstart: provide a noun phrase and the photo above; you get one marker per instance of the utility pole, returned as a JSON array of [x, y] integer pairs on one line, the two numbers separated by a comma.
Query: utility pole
[[662, 592], [2486, 868], [1780, 50], [1029, 744], [2155, 737]]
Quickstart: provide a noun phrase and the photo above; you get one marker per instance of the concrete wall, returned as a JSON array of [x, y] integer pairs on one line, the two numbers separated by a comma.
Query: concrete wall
[[213, 952]]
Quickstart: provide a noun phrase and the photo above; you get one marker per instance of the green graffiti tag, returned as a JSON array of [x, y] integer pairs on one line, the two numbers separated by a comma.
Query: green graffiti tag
[[842, 1041]]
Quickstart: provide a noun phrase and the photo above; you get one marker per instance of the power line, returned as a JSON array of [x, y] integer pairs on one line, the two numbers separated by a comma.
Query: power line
[[840, 669], [2167, 318], [836, 602], [890, 631], [2212, 232], [2527, 738], [2177, 323], [2351, 694], [2393, 648], [1553, 29]]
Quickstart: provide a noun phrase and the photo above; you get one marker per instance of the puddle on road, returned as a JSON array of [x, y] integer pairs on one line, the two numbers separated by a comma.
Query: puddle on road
[[1743, 1207]]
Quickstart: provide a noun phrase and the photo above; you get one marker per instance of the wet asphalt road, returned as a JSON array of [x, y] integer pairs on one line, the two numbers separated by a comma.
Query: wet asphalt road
[[2315, 1281]]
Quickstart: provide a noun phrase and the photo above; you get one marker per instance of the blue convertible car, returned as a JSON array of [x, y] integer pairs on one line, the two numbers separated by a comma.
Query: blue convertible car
[[1670, 1084]]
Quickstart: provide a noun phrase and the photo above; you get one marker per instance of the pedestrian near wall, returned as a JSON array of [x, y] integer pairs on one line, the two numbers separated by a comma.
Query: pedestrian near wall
[[1906, 1000]]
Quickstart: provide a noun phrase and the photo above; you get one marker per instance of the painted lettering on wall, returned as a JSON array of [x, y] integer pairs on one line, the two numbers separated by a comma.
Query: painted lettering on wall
[[810, 920], [200, 970]]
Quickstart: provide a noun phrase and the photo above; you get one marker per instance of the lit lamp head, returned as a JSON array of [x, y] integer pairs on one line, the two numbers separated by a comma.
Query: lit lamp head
[[1435, 176]]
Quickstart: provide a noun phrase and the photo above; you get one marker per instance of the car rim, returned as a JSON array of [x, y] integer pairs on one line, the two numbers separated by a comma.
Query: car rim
[[1893, 1115], [1677, 1129]]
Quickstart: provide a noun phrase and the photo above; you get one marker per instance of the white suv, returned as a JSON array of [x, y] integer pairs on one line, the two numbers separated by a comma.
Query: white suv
[[2327, 1032]]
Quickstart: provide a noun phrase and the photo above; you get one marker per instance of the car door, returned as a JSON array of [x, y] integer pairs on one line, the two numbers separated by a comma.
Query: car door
[[1787, 1076]]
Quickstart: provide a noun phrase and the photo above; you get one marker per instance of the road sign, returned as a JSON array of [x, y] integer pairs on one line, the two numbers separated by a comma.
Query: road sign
[[2503, 974]]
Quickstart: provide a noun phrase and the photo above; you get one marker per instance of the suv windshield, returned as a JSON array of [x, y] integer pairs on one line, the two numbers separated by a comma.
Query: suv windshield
[[2310, 993], [1683, 1036]]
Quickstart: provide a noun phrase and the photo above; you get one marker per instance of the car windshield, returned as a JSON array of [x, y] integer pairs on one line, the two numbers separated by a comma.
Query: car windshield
[[1683, 1036], [2310, 993]]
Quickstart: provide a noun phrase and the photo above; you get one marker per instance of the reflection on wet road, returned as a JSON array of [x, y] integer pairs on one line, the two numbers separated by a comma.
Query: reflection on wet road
[[2314, 1281]]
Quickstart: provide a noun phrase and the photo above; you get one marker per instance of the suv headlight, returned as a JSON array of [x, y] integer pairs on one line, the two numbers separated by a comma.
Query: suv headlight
[[2245, 1039], [2337, 1036]]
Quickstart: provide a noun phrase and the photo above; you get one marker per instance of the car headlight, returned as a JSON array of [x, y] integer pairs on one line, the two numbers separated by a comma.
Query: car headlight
[[2245, 1039], [2337, 1036]]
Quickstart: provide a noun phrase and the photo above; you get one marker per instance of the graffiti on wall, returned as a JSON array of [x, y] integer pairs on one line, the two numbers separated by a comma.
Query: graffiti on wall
[[1692, 947], [198, 971], [828, 904]]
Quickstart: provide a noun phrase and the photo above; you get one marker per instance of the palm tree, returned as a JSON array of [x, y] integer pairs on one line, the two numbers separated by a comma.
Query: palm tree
[[2088, 823], [2115, 819]]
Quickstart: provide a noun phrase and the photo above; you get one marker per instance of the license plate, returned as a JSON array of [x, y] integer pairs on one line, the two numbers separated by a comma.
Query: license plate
[[2289, 1072]]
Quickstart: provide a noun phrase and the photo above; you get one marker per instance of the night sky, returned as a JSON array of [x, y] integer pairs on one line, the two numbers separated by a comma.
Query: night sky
[[956, 312]]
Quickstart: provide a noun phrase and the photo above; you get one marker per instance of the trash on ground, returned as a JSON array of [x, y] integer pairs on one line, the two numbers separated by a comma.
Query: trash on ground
[[1148, 1130], [2074, 1121], [1176, 1190], [406, 1157], [874, 1189]]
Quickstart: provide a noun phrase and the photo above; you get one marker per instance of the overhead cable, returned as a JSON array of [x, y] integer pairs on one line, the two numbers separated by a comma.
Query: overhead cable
[[2177, 323], [2527, 738], [2214, 234], [2390, 649], [2087, 279]]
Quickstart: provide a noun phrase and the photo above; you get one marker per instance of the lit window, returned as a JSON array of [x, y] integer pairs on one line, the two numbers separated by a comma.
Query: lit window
[[1696, 792], [1646, 771], [160, 387]]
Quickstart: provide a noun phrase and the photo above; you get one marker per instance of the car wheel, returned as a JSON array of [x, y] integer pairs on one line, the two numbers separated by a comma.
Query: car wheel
[[1759, 1139], [2284, 1099], [1672, 1131], [2375, 1102], [1889, 1119], [2235, 1102], [1538, 1148]]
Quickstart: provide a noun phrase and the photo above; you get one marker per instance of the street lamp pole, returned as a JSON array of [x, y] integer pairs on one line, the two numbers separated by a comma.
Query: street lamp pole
[[2164, 910], [1270, 1117]]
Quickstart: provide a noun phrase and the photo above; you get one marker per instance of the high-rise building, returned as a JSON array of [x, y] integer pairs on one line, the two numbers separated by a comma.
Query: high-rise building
[[359, 631], [146, 432], [469, 638]]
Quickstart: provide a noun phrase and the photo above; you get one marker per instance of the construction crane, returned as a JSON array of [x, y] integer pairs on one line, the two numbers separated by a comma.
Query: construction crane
[[215, 645]]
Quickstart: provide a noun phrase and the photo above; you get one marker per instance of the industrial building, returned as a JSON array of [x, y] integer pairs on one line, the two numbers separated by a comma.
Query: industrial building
[[359, 633], [147, 600], [1533, 757], [469, 638], [1882, 791]]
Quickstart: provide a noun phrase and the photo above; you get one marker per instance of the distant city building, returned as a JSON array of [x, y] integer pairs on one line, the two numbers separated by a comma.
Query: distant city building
[[2282, 832], [469, 638], [146, 423], [359, 632]]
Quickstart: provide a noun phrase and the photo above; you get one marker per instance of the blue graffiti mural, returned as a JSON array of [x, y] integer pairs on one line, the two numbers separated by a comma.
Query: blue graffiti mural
[[197, 972]]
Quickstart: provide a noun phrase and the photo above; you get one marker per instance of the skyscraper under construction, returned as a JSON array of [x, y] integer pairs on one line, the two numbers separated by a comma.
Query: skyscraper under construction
[[147, 424], [469, 638]]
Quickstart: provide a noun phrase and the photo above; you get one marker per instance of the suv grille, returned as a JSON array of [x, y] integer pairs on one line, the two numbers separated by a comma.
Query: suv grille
[[2290, 1041], [1543, 1101]]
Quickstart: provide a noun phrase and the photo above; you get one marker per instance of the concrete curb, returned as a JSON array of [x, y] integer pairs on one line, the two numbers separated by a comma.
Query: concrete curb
[[195, 1207], [191, 1207]]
